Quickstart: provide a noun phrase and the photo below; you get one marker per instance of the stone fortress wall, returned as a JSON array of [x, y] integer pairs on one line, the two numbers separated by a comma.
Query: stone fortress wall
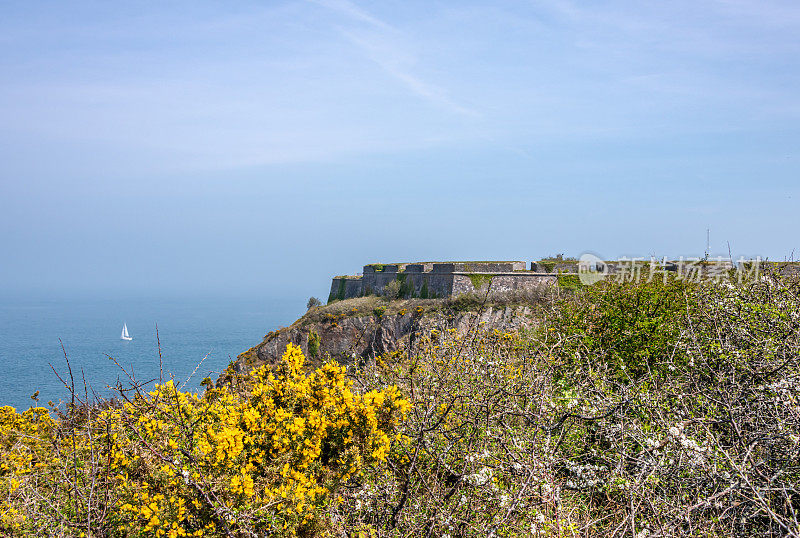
[[432, 280]]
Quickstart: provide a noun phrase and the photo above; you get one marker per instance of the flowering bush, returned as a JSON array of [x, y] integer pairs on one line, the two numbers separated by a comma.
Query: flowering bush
[[659, 409], [265, 459]]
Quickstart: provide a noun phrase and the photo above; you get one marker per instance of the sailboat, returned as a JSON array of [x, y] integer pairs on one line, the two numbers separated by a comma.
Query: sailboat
[[125, 335]]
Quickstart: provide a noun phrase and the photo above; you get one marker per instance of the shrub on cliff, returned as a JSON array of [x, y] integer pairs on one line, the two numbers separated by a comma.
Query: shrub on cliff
[[314, 342], [392, 290], [265, 459], [653, 409], [516, 435], [631, 327]]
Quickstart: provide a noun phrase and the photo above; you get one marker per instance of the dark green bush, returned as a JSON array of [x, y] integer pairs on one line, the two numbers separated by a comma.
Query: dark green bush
[[313, 344], [629, 326]]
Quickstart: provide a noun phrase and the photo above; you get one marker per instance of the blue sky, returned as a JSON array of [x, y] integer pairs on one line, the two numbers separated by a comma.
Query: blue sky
[[236, 148]]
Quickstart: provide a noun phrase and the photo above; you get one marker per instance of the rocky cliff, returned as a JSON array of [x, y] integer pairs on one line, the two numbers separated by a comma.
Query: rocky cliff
[[359, 328]]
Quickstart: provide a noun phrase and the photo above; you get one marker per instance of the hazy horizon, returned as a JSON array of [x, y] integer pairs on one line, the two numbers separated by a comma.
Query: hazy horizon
[[222, 149]]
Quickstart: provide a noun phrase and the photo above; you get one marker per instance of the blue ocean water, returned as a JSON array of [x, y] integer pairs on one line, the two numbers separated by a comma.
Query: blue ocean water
[[189, 330]]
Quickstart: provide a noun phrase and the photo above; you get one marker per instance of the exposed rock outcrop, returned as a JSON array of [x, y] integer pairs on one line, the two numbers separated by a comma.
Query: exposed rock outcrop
[[359, 328]]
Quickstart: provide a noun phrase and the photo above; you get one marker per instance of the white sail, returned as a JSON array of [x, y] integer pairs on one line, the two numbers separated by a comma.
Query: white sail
[[125, 335]]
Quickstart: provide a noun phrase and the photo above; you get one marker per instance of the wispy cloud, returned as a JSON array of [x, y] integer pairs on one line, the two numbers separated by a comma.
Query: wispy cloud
[[725, 55], [384, 45], [348, 8]]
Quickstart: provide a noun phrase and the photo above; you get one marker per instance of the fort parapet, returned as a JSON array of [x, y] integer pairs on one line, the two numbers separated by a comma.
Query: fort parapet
[[432, 280], [436, 280]]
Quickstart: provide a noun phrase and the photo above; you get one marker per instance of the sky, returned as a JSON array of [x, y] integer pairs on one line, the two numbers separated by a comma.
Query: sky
[[258, 148]]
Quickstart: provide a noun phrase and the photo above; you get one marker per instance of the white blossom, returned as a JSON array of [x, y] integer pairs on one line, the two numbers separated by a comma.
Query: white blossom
[[481, 477]]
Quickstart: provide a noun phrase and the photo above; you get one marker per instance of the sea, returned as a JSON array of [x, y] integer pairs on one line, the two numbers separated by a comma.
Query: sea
[[198, 338]]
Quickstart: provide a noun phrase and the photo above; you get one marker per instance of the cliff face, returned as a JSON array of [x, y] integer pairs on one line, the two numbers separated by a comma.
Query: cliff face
[[359, 328]]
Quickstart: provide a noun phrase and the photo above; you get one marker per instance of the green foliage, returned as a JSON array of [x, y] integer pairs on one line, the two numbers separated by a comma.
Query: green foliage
[[403, 291], [480, 280], [406, 286], [312, 302], [466, 302], [545, 433], [401, 288], [629, 327], [314, 342], [424, 291], [659, 407], [393, 290], [569, 281]]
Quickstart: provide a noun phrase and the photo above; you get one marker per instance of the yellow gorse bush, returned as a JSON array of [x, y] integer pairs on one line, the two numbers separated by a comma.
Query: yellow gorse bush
[[265, 458], [24, 448]]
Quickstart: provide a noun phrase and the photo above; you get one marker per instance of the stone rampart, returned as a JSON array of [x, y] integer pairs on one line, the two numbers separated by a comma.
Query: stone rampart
[[345, 287], [500, 283], [431, 280]]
